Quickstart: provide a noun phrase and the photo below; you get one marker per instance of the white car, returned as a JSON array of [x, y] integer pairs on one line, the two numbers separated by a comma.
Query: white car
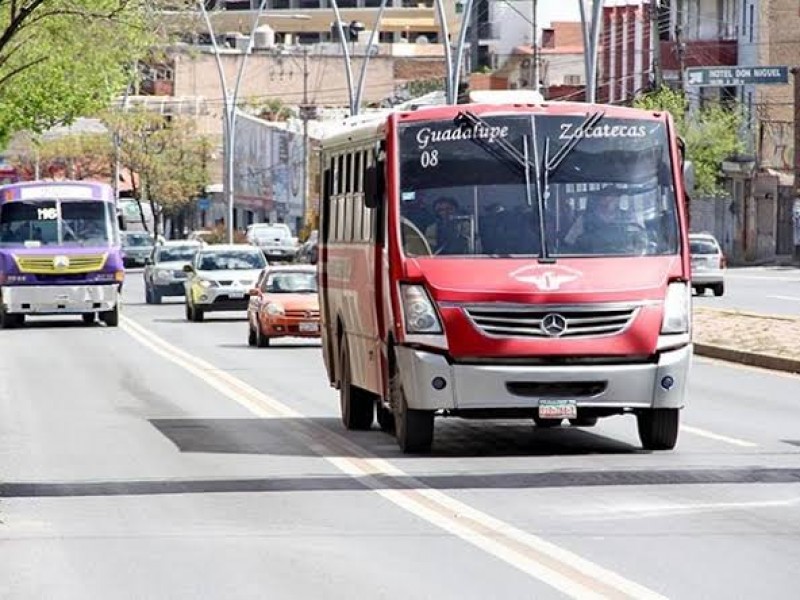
[[220, 279], [708, 264], [274, 239]]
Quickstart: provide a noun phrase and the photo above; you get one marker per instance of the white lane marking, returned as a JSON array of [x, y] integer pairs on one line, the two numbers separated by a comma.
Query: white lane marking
[[790, 298], [555, 566], [622, 511], [717, 437]]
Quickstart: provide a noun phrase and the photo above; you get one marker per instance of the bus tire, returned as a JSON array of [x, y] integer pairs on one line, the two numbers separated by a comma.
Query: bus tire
[[658, 428], [111, 317], [358, 408], [8, 321], [413, 428]]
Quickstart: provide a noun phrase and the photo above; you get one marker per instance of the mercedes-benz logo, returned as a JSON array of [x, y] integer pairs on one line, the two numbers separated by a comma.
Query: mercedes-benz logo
[[60, 263], [554, 325]]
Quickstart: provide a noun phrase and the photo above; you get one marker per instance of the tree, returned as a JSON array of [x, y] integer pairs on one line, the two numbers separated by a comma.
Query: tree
[[711, 134], [61, 59], [169, 157], [87, 155]]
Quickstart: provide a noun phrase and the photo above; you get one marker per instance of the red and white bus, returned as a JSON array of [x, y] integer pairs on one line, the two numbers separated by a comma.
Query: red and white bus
[[506, 261]]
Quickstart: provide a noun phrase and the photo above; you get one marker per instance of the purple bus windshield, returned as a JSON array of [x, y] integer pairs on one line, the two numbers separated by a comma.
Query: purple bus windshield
[[40, 214]]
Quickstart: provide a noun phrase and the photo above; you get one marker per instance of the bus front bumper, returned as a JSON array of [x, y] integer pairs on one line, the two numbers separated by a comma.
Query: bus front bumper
[[59, 299], [618, 386]]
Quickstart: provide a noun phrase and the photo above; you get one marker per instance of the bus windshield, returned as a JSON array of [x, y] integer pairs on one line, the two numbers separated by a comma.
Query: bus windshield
[[34, 223], [477, 187]]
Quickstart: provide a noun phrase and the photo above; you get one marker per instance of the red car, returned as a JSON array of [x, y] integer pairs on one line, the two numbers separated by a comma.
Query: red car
[[284, 303]]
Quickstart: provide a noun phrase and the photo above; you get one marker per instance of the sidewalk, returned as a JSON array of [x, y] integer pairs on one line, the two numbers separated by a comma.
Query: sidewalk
[[768, 341]]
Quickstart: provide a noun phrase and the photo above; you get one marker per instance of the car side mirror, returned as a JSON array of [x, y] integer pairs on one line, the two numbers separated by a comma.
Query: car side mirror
[[148, 261], [188, 269], [374, 185]]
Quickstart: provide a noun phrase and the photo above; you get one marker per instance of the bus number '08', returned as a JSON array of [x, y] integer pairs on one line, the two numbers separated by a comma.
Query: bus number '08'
[[429, 158], [47, 214]]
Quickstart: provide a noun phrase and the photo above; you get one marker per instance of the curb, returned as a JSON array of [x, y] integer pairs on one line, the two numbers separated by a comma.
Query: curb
[[753, 359], [742, 313]]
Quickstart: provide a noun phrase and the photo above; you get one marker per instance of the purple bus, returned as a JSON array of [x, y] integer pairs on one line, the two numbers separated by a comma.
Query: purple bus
[[59, 252]]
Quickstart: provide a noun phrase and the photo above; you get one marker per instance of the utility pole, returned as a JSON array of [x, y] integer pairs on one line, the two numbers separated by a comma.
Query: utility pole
[[305, 113], [655, 42], [679, 47], [534, 77]]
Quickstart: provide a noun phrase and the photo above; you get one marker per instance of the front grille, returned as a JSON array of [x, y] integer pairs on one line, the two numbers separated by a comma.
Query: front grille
[[575, 322], [556, 389], [225, 283], [57, 264], [303, 314]]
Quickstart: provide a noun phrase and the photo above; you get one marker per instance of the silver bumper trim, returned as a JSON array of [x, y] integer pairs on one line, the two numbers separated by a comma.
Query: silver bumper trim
[[635, 385], [59, 299]]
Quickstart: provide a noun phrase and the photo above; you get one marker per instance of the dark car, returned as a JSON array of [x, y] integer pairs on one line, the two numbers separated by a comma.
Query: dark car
[[137, 246], [164, 274], [308, 252]]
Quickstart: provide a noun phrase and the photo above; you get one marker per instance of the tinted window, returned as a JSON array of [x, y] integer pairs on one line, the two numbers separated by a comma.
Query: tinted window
[[291, 282], [703, 247], [231, 260]]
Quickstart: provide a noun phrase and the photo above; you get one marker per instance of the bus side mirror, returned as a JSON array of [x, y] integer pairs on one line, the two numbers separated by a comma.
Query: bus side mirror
[[374, 185], [688, 177]]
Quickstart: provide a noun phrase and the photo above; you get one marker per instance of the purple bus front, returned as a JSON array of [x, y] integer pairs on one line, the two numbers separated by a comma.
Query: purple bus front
[[59, 251]]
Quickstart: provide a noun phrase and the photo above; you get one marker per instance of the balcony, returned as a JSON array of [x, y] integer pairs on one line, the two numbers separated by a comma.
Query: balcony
[[699, 53]]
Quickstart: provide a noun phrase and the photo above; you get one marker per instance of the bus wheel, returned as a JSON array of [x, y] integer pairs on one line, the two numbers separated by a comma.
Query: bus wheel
[[658, 428], [385, 417], [357, 406], [111, 317], [8, 321], [413, 428]]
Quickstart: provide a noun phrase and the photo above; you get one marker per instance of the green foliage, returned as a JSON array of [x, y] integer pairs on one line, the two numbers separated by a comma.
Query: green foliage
[[420, 87], [61, 59], [169, 157], [711, 134]]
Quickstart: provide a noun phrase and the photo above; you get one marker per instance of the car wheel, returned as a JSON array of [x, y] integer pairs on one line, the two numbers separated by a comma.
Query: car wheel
[[197, 314], [156, 296], [189, 316], [262, 341], [385, 417], [358, 408], [719, 289], [88, 318], [148, 295], [658, 428], [251, 336], [701, 290]]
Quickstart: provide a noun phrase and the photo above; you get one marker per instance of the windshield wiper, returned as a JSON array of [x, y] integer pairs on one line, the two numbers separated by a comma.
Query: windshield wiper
[[558, 158], [509, 151]]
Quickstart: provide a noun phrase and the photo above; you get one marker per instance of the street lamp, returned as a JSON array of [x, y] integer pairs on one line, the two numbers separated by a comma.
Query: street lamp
[[230, 98]]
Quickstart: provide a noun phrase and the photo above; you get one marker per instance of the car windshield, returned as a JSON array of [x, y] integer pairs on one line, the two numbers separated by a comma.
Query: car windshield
[[35, 223], [231, 260], [702, 247], [291, 282], [137, 239], [470, 188], [176, 254]]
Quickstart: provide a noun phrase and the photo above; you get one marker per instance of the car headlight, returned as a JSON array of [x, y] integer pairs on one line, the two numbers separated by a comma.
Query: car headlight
[[273, 308], [677, 309], [163, 275], [205, 283], [420, 315]]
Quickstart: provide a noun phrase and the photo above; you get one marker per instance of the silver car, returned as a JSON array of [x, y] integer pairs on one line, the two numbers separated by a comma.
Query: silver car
[[220, 279], [163, 272], [275, 240], [708, 264], [137, 246]]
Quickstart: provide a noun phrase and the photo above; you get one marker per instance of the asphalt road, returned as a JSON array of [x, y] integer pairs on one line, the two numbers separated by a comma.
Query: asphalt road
[[773, 290], [169, 460]]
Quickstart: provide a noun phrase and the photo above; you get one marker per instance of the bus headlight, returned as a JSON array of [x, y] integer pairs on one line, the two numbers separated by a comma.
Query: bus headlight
[[677, 309], [420, 315]]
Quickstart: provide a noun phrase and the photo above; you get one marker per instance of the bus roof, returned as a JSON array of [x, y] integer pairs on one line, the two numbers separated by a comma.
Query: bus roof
[[371, 125], [89, 190]]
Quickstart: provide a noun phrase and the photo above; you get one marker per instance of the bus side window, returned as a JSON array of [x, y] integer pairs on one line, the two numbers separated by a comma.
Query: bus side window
[[327, 181]]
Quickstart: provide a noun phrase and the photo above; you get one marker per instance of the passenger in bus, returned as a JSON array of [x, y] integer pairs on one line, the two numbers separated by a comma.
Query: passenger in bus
[[603, 228], [444, 235]]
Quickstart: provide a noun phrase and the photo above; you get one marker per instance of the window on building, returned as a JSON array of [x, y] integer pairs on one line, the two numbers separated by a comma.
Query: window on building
[[572, 79]]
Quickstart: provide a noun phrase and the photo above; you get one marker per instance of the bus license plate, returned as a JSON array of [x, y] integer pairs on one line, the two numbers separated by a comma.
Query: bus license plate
[[309, 327], [558, 409]]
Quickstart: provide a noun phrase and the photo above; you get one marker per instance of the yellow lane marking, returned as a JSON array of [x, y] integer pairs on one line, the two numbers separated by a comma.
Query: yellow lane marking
[[555, 566]]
